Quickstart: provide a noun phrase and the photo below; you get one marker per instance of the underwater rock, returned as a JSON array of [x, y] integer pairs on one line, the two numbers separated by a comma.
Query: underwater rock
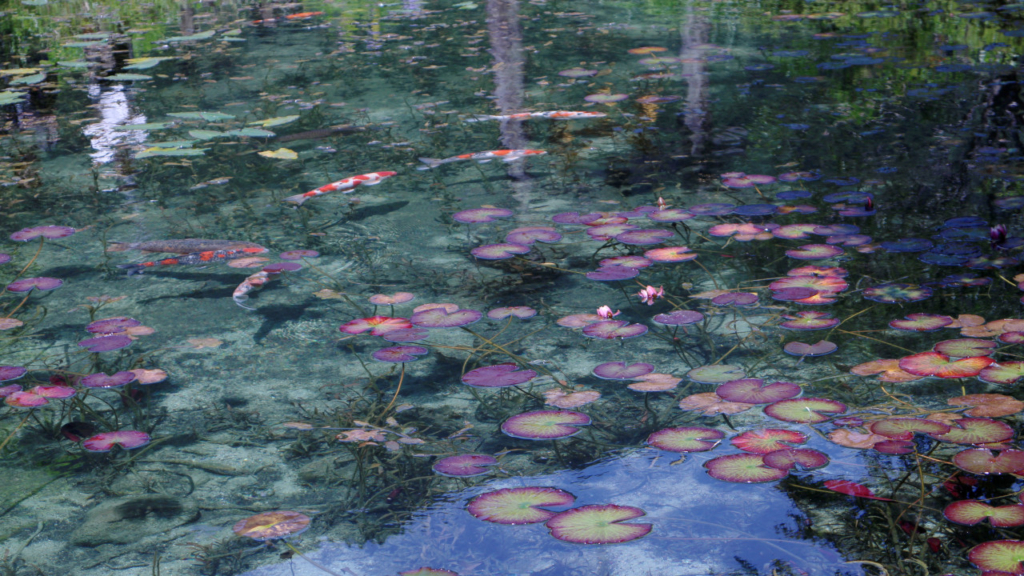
[[129, 519]]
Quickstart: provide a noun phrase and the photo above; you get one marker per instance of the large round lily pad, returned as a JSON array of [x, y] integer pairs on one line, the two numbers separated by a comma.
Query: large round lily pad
[[939, 365], [272, 525], [755, 391], [598, 524], [999, 556], [904, 428], [984, 461], [545, 424], [768, 440], [715, 374], [975, 431], [805, 410], [519, 505], [498, 376], [686, 439], [743, 468], [789, 458], [971, 512]]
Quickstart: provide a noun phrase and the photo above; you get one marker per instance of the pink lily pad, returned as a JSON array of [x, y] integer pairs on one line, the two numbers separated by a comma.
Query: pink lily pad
[[804, 410], [126, 439], [25, 400], [575, 218], [829, 284], [376, 325], [481, 215], [102, 380], [794, 231], [670, 215], [984, 461], [106, 343], [754, 391], [299, 254], [629, 261], [611, 329], [789, 458], [686, 439], [743, 468], [28, 284], [112, 325], [794, 294], [622, 371], [895, 447], [809, 320], [897, 293], [715, 373], [923, 323], [605, 98], [814, 252], [739, 299], [644, 237], [6, 391], [399, 354], [577, 72], [999, 557], [670, 254], [965, 347], [598, 524], [768, 440], [278, 267], [521, 312], [498, 376], [12, 372], [679, 318], [971, 512], [527, 236], [578, 320], [51, 232], [464, 465], [819, 348], [613, 273], [545, 424], [905, 428], [499, 251], [441, 318], [519, 505]]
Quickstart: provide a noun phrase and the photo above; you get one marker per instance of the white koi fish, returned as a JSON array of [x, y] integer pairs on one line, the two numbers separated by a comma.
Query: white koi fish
[[344, 186], [257, 280], [483, 157], [555, 115]]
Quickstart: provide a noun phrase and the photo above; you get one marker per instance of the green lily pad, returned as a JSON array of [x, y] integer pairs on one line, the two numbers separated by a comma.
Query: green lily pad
[[84, 44], [146, 126], [519, 505], [153, 152], [686, 439], [205, 134], [93, 36], [743, 468], [804, 410], [208, 116], [9, 97], [30, 79], [251, 132], [127, 77], [278, 121], [145, 63], [598, 524], [1004, 556], [78, 64], [199, 36], [715, 374], [173, 144], [19, 71]]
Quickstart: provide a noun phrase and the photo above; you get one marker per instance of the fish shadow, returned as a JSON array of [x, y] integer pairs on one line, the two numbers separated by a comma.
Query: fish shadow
[[275, 315]]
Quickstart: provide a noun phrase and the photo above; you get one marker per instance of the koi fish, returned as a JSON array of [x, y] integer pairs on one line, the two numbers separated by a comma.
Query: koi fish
[[182, 246], [344, 186], [482, 157], [299, 16], [555, 115], [194, 258], [257, 280]]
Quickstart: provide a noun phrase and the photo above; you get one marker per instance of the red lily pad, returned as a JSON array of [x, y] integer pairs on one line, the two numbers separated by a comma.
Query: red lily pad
[[50, 231], [106, 343], [105, 442], [965, 347], [112, 325], [715, 373], [904, 428], [768, 440], [853, 489], [999, 557], [519, 505], [814, 252], [795, 231], [743, 468], [498, 376], [754, 391], [971, 512], [464, 465], [975, 431], [985, 461], [939, 365], [922, 323], [655, 382], [28, 284], [895, 447], [819, 348], [805, 410], [1004, 373], [809, 320], [611, 329], [529, 235], [670, 215], [545, 424], [735, 299], [830, 284], [12, 372], [629, 261], [598, 524], [686, 439], [789, 458], [101, 380], [889, 368]]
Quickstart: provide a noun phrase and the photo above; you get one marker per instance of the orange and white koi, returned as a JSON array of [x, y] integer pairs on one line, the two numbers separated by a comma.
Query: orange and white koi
[[257, 280], [299, 16], [483, 157], [344, 186], [554, 115], [195, 258]]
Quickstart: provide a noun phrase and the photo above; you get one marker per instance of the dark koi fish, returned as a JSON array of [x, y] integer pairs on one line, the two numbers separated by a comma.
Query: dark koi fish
[[194, 258], [321, 133], [182, 246]]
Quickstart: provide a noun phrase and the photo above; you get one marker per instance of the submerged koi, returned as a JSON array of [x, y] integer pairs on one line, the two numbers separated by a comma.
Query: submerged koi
[[555, 115], [303, 15], [194, 258], [483, 157], [257, 280], [345, 186]]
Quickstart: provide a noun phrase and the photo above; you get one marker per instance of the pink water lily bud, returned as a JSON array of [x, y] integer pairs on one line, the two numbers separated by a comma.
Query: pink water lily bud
[[661, 203], [650, 294], [997, 235], [605, 312]]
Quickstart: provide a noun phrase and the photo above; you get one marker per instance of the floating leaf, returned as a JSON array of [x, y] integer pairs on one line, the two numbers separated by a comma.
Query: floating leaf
[[622, 371], [127, 77], [145, 63], [754, 391], [904, 428], [709, 404], [192, 37], [464, 465], [545, 424], [278, 121], [154, 152], [598, 524], [686, 439], [999, 556], [820, 348], [498, 376], [804, 410], [30, 79], [272, 525], [971, 512], [984, 461], [743, 468], [8, 97], [1004, 373], [965, 347], [146, 126], [789, 458], [280, 154], [922, 322], [853, 489], [939, 365], [715, 373], [976, 431], [207, 116], [768, 440], [988, 405], [518, 505]]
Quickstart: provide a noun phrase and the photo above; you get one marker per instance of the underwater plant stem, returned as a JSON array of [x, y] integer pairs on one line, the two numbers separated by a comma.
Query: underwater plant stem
[[42, 239], [401, 377], [558, 453], [710, 275], [20, 304], [15, 431]]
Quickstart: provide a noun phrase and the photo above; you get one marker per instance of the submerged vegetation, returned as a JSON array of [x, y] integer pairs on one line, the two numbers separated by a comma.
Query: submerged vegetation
[[664, 287]]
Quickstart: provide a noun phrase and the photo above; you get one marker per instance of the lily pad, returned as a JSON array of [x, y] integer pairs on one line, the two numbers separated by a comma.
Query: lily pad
[[498, 376], [715, 374], [755, 391], [939, 365], [598, 524], [922, 323], [1004, 373], [743, 468], [984, 461], [686, 439], [611, 329], [768, 440], [789, 458], [819, 348], [805, 410], [622, 371], [904, 428], [464, 465], [975, 431], [971, 512], [999, 556], [897, 293], [519, 505], [545, 424]]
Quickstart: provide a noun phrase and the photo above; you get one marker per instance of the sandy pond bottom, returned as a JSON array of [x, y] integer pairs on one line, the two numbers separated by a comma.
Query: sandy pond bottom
[[701, 527]]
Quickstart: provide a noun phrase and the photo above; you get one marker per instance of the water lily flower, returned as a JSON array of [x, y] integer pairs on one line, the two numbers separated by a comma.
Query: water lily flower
[[605, 312], [650, 294], [661, 203], [997, 235]]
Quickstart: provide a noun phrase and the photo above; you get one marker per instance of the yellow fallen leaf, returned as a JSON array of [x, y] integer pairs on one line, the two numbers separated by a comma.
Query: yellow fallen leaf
[[199, 343], [327, 294], [280, 154]]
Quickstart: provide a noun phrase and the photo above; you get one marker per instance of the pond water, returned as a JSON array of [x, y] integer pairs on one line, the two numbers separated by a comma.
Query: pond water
[[736, 293]]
